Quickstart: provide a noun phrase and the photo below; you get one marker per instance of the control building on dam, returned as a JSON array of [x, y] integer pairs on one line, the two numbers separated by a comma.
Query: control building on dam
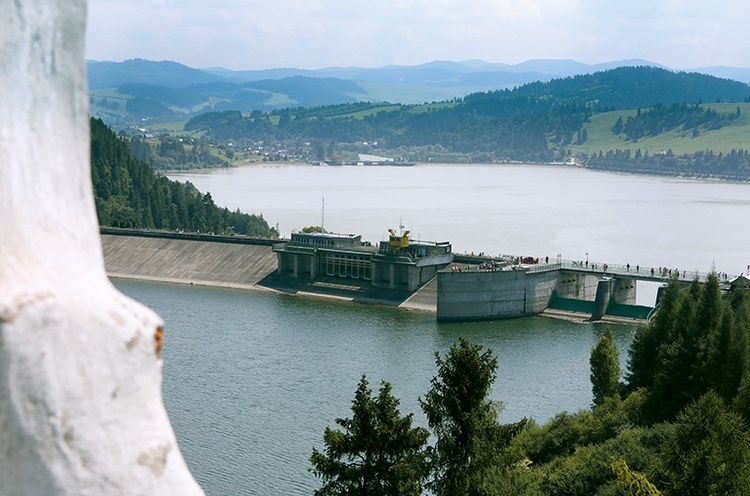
[[397, 264]]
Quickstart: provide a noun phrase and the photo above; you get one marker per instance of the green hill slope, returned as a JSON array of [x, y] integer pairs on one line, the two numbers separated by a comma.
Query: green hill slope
[[733, 136]]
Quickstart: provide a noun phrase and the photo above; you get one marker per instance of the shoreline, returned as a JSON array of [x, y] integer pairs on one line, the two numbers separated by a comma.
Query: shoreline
[[677, 175], [263, 289]]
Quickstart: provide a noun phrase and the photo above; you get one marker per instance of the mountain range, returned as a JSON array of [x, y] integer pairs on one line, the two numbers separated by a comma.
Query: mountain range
[[124, 93], [437, 73]]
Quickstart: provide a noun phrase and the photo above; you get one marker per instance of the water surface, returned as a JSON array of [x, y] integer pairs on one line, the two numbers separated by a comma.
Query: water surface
[[252, 379]]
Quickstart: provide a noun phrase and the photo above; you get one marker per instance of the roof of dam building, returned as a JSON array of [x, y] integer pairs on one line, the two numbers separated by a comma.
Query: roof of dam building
[[399, 245], [329, 240]]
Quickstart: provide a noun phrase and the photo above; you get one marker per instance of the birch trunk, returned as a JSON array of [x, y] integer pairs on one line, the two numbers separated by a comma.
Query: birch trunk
[[81, 411]]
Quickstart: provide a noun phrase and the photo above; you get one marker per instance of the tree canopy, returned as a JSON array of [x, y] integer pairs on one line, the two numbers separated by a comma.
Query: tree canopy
[[378, 452], [605, 369], [129, 194], [470, 443]]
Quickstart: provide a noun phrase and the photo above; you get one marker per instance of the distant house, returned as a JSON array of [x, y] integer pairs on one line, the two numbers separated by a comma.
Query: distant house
[[740, 281]]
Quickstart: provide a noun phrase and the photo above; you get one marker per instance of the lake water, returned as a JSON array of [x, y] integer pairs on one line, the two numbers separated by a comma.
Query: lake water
[[252, 379]]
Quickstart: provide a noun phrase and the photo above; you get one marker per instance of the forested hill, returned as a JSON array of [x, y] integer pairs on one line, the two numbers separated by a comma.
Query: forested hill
[[537, 122], [129, 194], [637, 87]]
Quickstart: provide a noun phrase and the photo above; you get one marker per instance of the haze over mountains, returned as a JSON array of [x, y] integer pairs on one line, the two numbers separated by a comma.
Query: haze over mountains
[[475, 73]]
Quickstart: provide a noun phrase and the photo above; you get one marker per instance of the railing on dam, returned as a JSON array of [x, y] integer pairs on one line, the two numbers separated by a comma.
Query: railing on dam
[[188, 236], [640, 272], [543, 267]]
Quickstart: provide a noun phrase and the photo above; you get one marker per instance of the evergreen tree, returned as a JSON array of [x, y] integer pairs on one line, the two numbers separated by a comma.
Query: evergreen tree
[[470, 446], [617, 128], [672, 389], [605, 369], [710, 451], [377, 453]]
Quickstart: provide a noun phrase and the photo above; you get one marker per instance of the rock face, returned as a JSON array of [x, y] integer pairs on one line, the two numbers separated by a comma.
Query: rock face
[[81, 411]]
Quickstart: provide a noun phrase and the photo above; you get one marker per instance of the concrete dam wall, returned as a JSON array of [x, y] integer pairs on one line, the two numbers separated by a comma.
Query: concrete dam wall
[[183, 260], [477, 295], [455, 295]]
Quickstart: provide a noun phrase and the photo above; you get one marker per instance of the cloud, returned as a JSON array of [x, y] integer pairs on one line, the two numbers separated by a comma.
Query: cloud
[[243, 34]]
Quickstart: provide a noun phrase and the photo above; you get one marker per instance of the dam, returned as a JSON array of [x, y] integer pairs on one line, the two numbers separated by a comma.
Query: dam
[[560, 288], [399, 272]]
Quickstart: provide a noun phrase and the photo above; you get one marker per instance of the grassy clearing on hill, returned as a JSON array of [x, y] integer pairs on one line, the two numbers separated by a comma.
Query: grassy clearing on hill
[[734, 136], [364, 113], [412, 94]]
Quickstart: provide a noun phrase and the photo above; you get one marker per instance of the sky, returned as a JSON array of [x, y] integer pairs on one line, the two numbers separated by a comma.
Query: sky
[[314, 34]]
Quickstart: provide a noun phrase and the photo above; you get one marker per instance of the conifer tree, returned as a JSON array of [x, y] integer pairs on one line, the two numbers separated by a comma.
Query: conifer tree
[[704, 338], [643, 355], [710, 451], [470, 444], [378, 452], [672, 389], [605, 369]]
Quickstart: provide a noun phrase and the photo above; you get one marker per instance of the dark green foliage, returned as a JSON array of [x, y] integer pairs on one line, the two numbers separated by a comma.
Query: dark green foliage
[[682, 421], [587, 471], [734, 165], [565, 432], [696, 342], [129, 194], [605, 369], [644, 350], [378, 452], [709, 453], [470, 444], [638, 87]]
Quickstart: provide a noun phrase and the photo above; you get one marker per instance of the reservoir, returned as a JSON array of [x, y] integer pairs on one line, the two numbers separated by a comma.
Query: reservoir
[[251, 379]]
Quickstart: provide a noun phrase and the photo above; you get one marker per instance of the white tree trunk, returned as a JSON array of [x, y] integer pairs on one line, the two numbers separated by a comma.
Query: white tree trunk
[[81, 411]]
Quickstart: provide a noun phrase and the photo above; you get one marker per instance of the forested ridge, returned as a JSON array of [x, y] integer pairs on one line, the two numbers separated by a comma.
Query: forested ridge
[[536, 122], [675, 423], [129, 194]]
